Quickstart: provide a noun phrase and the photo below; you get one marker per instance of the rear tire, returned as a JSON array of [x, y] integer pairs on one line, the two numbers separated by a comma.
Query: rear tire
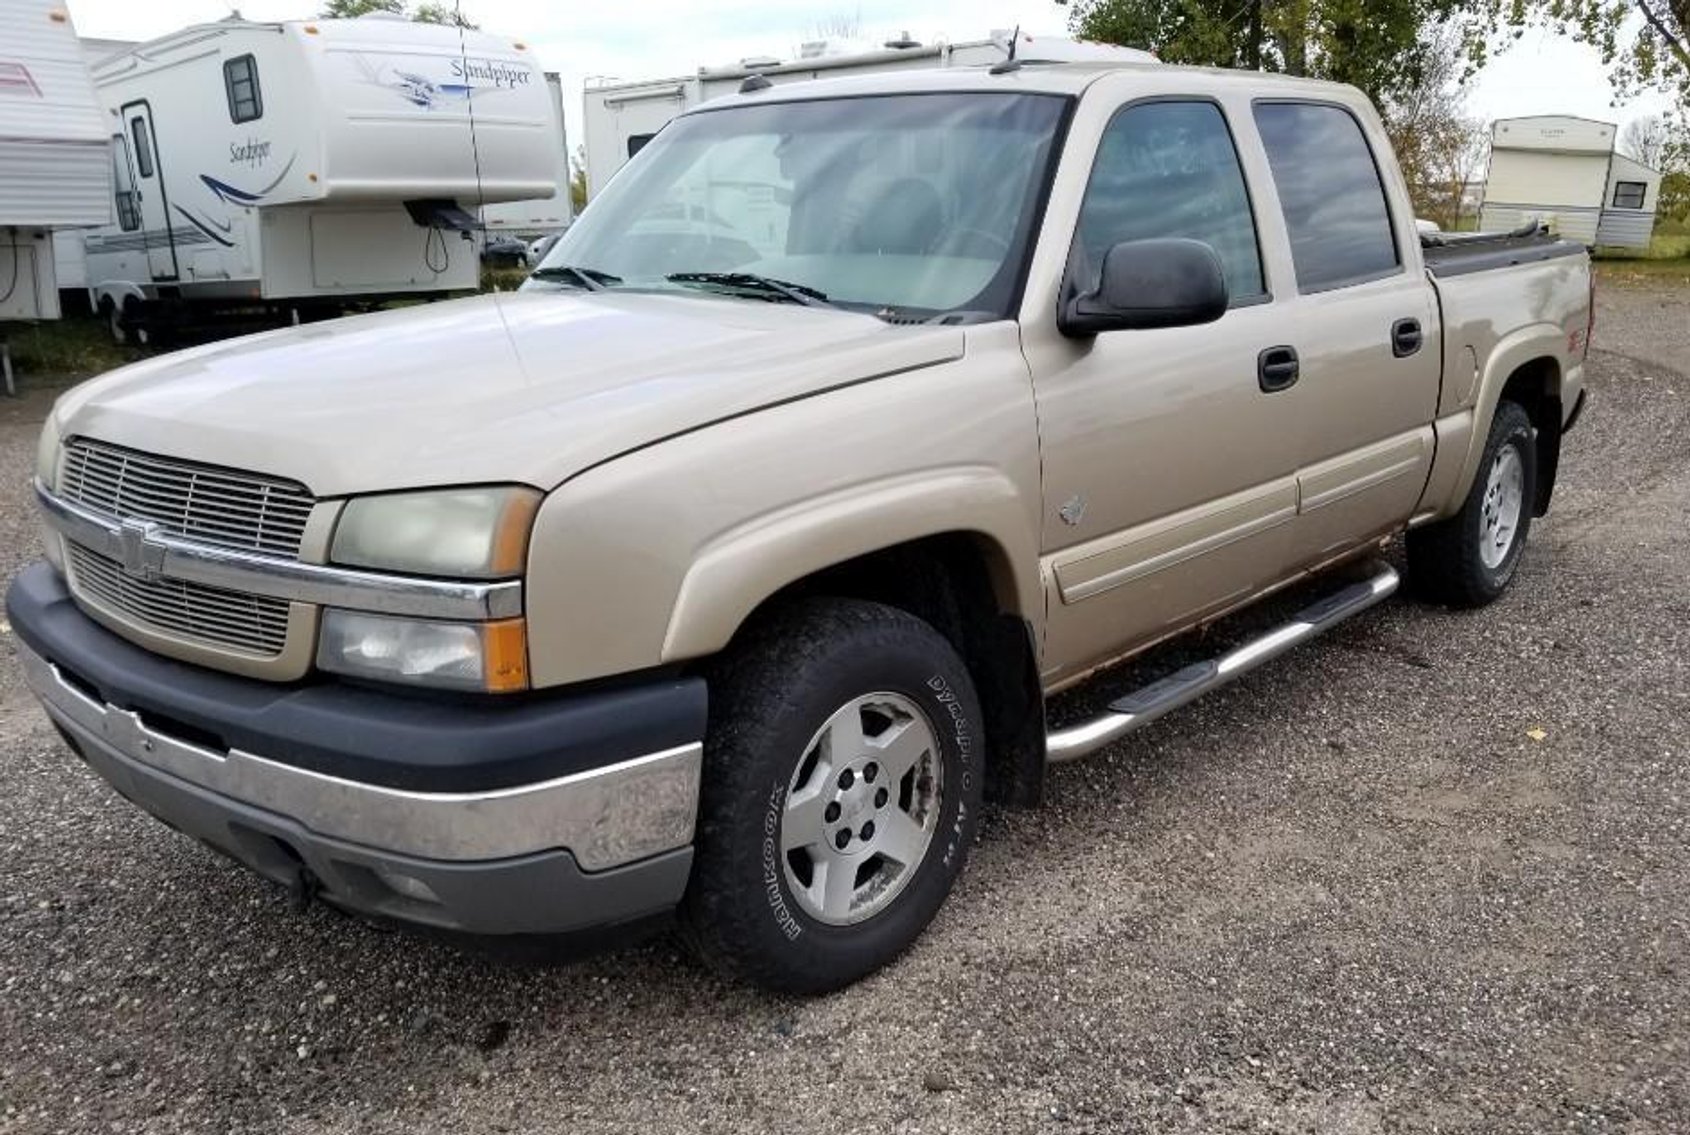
[[1469, 559], [841, 795], [114, 322]]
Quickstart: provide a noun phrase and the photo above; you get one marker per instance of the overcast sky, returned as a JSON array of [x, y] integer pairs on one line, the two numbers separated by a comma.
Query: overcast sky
[[644, 39]]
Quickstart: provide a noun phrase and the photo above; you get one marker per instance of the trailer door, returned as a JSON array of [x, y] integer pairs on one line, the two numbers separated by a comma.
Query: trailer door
[[149, 184]]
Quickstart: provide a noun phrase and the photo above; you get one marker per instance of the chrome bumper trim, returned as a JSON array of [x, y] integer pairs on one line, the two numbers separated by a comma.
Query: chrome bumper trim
[[604, 817], [142, 549]]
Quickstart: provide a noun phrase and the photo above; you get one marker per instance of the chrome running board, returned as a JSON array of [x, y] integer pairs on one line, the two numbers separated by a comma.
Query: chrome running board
[[1143, 706]]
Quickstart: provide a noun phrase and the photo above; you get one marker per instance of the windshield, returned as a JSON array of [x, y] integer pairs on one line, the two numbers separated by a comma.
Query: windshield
[[905, 205]]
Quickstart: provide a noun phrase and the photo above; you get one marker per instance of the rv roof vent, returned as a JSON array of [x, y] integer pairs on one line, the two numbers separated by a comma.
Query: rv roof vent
[[753, 84], [902, 43]]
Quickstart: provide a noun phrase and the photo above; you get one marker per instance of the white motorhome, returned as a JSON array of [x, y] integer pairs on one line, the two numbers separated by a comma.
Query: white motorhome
[[1564, 171], [619, 118], [291, 168], [55, 156]]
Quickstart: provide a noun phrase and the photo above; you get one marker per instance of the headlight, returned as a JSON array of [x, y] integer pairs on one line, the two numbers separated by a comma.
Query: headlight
[[462, 533], [489, 657], [47, 453]]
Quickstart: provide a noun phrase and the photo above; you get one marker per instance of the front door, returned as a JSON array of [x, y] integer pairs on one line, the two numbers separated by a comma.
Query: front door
[[1170, 466], [153, 201]]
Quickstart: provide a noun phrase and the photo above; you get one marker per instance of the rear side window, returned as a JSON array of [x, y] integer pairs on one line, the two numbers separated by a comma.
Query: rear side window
[[240, 82], [1330, 189], [1170, 169], [1629, 194], [143, 151]]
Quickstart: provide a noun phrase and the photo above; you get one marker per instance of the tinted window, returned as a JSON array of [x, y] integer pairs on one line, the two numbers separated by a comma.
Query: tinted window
[[1330, 190], [637, 142], [128, 211], [1169, 169], [240, 82], [143, 151], [1629, 194]]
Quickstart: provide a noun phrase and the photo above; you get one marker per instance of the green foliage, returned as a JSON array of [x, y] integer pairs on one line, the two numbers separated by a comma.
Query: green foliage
[[1645, 43], [578, 181], [1377, 45], [73, 347], [428, 12], [352, 9]]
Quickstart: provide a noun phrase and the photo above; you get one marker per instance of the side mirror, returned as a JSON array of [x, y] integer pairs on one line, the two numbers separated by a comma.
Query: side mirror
[[1166, 282]]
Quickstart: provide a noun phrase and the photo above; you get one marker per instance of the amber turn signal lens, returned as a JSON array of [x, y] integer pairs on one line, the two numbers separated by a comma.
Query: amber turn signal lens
[[505, 652]]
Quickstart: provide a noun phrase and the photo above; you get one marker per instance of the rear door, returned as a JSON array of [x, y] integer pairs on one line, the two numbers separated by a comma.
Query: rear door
[[150, 197], [1363, 323]]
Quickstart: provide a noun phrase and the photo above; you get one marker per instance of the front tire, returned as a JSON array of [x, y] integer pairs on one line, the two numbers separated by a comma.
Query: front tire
[[841, 795], [1469, 559]]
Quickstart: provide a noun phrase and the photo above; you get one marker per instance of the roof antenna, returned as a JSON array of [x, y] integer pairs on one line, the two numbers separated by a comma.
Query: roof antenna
[[1011, 63]]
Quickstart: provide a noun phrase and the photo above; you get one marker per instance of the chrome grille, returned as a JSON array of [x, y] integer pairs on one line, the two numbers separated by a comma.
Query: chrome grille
[[231, 509], [256, 624]]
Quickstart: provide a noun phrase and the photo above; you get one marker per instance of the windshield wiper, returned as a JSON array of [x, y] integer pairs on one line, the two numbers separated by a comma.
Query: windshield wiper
[[750, 281], [590, 278]]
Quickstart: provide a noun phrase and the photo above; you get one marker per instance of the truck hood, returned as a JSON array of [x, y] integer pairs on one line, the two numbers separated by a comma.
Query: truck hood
[[528, 387]]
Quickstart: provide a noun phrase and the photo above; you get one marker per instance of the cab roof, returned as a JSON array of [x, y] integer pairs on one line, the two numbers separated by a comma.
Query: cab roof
[[1068, 78]]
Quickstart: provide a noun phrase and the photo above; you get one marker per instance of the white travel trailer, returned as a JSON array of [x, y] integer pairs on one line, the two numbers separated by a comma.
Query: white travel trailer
[[1564, 171], [619, 118], [55, 155], [288, 169]]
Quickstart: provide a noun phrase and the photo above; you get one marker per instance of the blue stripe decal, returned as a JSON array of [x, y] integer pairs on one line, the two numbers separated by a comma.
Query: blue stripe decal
[[228, 192], [195, 221]]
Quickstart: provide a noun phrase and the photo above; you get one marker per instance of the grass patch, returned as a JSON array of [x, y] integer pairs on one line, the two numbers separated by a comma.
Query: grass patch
[[502, 279], [1667, 259], [76, 347]]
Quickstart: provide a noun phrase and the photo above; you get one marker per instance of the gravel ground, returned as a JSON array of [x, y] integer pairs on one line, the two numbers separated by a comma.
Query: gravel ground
[[1352, 893]]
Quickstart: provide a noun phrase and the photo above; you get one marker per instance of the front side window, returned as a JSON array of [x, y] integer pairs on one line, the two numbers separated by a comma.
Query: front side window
[[907, 206], [1332, 195], [1170, 169], [1629, 194], [143, 151], [240, 83]]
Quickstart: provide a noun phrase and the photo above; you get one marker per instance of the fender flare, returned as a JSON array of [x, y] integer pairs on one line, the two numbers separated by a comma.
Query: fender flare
[[745, 566], [1535, 343]]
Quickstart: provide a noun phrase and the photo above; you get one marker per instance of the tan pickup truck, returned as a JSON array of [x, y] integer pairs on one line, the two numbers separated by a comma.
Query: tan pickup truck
[[722, 572]]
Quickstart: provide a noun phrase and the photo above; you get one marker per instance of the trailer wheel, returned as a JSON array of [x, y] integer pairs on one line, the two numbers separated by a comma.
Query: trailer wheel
[[114, 321], [841, 794]]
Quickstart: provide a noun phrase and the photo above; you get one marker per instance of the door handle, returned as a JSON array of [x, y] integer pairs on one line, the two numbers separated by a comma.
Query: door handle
[[1406, 338], [1278, 368]]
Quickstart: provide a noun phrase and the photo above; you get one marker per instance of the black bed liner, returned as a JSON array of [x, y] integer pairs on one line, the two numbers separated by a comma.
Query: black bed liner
[[1457, 254]]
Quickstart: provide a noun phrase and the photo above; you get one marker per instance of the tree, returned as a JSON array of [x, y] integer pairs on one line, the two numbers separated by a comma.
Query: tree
[[1645, 140], [1645, 43], [1440, 146], [429, 12], [1375, 44], [578, 181]]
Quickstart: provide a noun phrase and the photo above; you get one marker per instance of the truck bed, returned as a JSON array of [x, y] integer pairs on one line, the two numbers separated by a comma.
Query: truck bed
[[1457, 254]]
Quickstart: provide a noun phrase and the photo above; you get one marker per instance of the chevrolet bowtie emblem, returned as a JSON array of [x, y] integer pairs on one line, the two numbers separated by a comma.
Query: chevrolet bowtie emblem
[[141, 551]]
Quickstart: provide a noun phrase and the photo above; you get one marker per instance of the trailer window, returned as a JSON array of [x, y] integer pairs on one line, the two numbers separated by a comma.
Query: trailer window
[[240, 80], [1170, 169], [1331, 193], [128, 210], [143, 151], [636, 142], [1629, 194]]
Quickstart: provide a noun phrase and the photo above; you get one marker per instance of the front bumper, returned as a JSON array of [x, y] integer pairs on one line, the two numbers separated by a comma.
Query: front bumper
[[542, 815]]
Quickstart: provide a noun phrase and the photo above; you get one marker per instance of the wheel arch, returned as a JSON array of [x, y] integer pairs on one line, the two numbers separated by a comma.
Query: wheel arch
[[1525, 368], [962, 583]]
